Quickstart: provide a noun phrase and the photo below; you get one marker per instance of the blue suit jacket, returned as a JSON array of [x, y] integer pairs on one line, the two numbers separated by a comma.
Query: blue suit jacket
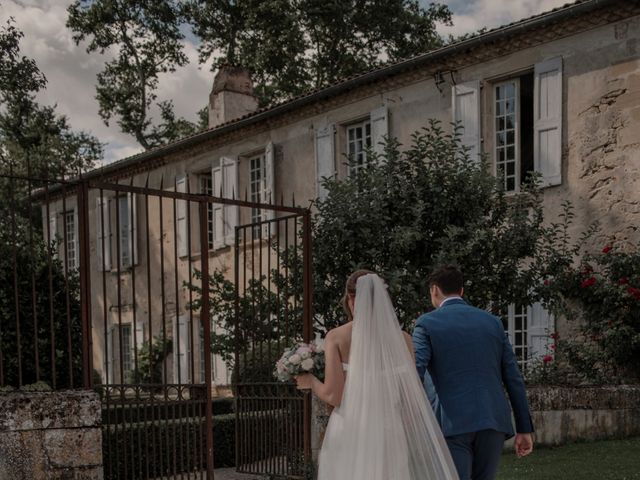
[[466, 360]]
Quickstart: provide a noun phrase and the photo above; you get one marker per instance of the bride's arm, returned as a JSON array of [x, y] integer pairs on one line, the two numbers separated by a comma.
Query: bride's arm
[[331, 390]]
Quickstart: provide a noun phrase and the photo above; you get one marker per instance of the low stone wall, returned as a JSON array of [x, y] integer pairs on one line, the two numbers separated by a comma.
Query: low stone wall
[[560, 414], [564, 415], [50, 435]]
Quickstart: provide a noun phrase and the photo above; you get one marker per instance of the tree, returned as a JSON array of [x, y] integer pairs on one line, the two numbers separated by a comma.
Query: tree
[[146, 39], [412, 210], [34, 139], [291, 46]]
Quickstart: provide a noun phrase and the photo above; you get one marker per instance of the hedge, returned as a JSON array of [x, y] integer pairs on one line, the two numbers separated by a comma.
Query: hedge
[[161, 409], [173, 446]]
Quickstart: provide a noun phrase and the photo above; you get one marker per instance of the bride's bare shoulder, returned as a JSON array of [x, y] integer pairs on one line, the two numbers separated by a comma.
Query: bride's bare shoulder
[[339, 333]]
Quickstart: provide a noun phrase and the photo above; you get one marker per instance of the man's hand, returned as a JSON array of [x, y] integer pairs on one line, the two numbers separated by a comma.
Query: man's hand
[[524, 444]]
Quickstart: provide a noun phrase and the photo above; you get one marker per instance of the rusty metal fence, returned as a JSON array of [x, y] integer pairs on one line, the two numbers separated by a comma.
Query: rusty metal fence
[[143, 293]]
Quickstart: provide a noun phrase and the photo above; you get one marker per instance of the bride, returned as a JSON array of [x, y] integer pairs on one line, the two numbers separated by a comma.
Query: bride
[[382, 427]]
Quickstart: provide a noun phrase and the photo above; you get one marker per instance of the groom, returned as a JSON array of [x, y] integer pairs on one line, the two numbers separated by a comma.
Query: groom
[[470, 362]]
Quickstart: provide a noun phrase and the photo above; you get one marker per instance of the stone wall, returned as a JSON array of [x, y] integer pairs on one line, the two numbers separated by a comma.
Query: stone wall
[[560, 414], [50, 435], [564, 415]]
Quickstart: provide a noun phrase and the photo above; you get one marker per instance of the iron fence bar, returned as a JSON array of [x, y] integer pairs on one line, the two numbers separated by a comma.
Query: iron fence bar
[[177, 363], [85, 285], [206, 324], [236, 365], [52, 333], [16, 293], [308, 322], [66, 281], [197, 197], [32, 267]]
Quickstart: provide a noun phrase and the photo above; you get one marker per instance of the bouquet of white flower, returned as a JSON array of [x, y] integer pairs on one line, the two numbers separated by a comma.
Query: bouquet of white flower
[[301, 358]]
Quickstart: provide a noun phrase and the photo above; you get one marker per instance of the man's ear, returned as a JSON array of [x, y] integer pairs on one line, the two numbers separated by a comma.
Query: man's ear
[[462, 292]]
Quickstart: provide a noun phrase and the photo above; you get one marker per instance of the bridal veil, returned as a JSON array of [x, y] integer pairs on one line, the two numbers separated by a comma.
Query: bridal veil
[[384, 428]]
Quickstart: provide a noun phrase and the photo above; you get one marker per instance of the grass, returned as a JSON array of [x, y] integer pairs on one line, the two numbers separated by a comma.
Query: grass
[[604, 460]]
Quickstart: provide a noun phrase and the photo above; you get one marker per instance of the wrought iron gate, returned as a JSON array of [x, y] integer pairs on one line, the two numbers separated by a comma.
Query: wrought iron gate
[[129, 268], [273, 310]]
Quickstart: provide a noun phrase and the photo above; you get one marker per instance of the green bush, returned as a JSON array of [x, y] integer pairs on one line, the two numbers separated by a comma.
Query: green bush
[[163, 410], [166, 447]]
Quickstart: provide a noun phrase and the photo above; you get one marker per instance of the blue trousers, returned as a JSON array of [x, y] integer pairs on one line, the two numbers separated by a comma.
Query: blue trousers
[[477, 454]]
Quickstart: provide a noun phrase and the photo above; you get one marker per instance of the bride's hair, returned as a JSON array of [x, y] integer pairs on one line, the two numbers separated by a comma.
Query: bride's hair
[[350, 290]]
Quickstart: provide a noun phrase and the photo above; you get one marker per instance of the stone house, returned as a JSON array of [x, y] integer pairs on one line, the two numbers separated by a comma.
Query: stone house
[[558, 93]]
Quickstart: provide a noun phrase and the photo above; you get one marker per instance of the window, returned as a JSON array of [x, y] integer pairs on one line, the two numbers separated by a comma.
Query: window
[[71, 247], [258, 184], [206, 187], [127, 365], [358, 141], [517, 327], [513, 112]]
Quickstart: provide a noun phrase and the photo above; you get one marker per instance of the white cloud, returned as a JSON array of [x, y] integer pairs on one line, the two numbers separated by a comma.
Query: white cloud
[[71, 72], [472, 15]]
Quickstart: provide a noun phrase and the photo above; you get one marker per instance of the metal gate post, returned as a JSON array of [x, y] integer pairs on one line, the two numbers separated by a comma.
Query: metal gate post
[[206, 327], [85, 283], [307, 314]]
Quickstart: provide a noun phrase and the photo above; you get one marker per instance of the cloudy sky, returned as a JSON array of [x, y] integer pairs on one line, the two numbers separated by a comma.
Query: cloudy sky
[[71, 72]]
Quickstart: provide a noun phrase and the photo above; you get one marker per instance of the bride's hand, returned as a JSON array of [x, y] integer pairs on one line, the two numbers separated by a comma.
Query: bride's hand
[[305, 381]]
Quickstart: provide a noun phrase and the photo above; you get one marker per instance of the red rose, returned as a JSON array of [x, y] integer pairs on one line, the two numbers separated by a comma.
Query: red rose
[[634, 292], [554, 336], [623, 281], [547, 359], [607, 249], [546, 283], [588, 282], [552, 347]]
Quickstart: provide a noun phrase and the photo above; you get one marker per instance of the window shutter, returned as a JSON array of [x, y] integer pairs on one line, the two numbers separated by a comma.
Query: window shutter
[[466, 113], [538, 330], [325, 161], [53, 229], [76, 239], [379, 128], [269, 191], [218, 221], [230, 190], [103, 236], [180, 349], [132, 241], [547, 121], [181, 217]]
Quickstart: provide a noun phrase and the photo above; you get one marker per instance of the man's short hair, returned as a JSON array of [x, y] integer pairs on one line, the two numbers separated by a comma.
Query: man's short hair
[[448, 278]]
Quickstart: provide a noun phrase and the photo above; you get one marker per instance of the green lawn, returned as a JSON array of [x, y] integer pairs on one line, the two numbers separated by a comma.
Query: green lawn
[[605, 460]]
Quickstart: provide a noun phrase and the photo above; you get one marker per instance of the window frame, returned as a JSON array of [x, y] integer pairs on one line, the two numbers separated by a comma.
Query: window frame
[[520, 350], [367, 144], [258, 194], [207, 177], [494, 119], [72, 261]]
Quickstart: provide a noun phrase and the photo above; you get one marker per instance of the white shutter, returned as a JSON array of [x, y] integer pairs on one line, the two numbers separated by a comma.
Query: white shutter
[[76, 239], [325, 158], [103, 235], [218, 220], [379, 128], [230, 190], [539, 328], [547, 121], [139, 339], [53, 229], [269, 191], [133, 228], [180, 350], [181, 217], [466, 113]]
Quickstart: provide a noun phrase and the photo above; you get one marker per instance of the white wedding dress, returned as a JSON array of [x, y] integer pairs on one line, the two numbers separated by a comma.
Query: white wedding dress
[[384, 428]]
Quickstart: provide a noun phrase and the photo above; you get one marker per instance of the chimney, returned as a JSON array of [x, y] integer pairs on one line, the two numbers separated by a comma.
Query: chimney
[[231, 96]]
